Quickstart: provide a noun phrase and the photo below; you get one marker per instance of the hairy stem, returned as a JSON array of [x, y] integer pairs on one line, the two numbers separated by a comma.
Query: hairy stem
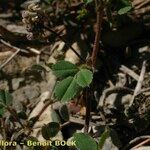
[[99, 18]]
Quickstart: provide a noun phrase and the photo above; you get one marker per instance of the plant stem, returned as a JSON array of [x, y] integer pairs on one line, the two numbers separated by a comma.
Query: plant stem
[[88, 110], [67, 44], [39, 114], [13, 113], [46, 104], [99, 18]]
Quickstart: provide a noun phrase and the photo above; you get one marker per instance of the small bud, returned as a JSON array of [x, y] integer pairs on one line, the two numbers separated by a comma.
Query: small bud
[[33, 7], [30, 36], [30, 6], [36, 8]]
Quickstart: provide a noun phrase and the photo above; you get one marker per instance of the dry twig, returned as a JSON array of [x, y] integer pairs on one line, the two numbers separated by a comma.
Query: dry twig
[[139, 83], [13, 47], [145, 137], [111, 90], [128, 71], [9, 59], [140, 3], [16, 52], [67, 44], [141, 144], [33, 50]]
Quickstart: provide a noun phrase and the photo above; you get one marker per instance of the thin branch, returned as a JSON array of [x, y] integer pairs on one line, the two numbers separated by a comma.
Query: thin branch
[[67, 44], [16, 52], [135, 141], [13, 47], [39, 115], [65, 124], [141, 144], [11, 111], [99, 18], [41, 112], [33, 50], [128, 71], [139, 83], [139, 4], [9, 59], [109, 91], [144, 90]]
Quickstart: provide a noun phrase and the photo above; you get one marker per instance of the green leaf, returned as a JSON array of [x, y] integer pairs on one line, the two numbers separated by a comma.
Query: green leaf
[[124, 10], [64, 113], [50, 130], [85, 142], [64, 69], [103, 138], [66, 89], [2, 110], [5, 100], [84, 77]]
